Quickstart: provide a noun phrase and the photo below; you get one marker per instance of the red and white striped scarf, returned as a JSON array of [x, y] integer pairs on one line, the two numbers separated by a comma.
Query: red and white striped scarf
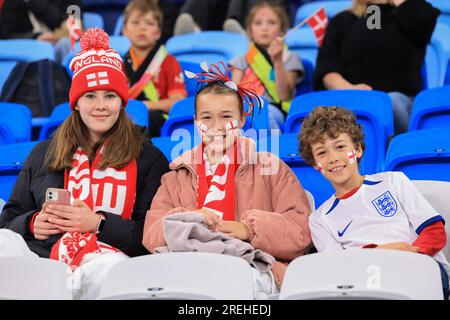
[[217, 190], [111, 190]]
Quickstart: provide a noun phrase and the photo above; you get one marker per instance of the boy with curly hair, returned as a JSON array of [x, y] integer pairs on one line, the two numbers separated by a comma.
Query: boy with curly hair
[[382, 210]]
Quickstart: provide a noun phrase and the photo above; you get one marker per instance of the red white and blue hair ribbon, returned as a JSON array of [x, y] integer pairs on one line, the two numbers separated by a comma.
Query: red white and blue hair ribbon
[[219, 73]]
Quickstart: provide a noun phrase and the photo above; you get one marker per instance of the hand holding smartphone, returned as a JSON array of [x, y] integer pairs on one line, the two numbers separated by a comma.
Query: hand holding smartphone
[[58, 196]]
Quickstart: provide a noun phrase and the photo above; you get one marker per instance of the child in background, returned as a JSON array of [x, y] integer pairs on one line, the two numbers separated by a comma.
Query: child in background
[[382, 210], [268, 63], [155, 76], [242, 193]]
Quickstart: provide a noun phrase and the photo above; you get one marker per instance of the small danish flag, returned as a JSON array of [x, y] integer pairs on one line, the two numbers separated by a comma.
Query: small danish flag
[[92, 78], [318, 21]]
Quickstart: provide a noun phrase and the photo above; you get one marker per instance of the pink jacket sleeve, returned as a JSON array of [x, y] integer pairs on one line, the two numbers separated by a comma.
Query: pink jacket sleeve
[[283, 233], [162, 205]]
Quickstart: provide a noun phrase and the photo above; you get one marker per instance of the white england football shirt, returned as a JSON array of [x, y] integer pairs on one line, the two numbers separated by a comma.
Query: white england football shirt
[[386, 208]]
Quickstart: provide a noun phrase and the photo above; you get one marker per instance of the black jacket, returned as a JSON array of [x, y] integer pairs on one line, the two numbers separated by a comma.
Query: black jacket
[[28, 196], [15, 23], [388, 59]]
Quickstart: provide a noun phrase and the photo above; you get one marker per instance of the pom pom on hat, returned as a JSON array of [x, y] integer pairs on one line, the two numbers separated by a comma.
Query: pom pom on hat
[[97, 67], [94, 38]]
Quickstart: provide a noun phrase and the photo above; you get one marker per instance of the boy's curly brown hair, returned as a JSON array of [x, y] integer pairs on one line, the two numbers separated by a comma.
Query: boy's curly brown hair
[[328, 122]]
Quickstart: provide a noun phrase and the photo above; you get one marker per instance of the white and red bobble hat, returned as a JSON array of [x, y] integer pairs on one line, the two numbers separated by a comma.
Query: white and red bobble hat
[[97, 67]]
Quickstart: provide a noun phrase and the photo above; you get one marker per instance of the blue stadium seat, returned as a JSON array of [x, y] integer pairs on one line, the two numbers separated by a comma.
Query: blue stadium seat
[[110, 10], [190, 84], [441, 35], [210, 46], [286, 147], [305, 86], [15, 121], [304, 43], [136, 110], [118, 26], [182, 116], [421, 155], [438, 56], [13, 51], [431, 109], [59, 114], [447, 75], [444, 6], [119, 43], [25, 50], [12, 157], [332, 8], [373, 110], [175, 145], [8, 179], [5, 69], [92, 20]]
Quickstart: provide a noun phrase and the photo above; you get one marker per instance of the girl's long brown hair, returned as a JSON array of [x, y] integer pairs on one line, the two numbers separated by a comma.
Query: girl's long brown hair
[[124, 143]]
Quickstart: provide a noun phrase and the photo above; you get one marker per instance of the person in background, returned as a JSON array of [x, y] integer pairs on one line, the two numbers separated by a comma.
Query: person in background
[[389, 59], [273, 69], [155, 76], [42, 20], [222, 15]]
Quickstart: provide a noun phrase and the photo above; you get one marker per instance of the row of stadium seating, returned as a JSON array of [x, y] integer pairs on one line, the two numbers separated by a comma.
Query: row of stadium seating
[[431, 109], [332, 8], [373, 109], [421, 155], [109, 12], [355, 274], [213, 46]]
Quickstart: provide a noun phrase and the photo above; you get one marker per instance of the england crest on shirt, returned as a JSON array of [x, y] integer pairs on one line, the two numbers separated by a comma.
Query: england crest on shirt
[[385, 204]]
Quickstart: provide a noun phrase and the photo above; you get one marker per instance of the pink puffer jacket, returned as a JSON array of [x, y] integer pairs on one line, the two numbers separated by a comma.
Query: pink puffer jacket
[[269, 199]]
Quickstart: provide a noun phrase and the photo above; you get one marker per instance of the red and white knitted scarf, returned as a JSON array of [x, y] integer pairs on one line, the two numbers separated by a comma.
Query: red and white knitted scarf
[[111, 190], [217, 190]]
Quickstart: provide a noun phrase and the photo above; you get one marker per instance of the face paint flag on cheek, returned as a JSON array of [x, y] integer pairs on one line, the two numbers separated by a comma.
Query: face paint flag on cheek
[[352, 157], [319, 165], [232, 128], [202, 128]]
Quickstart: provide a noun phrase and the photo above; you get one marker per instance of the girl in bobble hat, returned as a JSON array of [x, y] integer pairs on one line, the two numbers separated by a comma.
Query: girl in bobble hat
[[103, 159]]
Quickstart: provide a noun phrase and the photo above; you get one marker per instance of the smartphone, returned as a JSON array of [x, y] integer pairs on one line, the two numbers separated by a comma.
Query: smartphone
[[58, 196]]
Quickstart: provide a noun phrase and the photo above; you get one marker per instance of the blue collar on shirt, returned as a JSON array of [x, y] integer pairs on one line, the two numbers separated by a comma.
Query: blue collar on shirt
[[336, 201]]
